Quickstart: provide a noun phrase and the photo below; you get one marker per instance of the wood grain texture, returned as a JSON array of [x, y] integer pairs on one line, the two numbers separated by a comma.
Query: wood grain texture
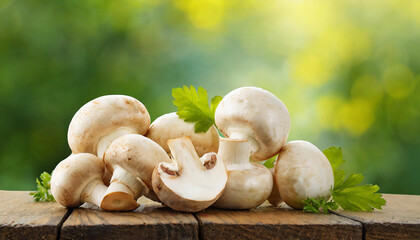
[[267, 222], [399, 219], [149, 221], [22, 218]]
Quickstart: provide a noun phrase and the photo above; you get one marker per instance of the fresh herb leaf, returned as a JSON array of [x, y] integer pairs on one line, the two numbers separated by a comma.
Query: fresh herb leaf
[[335, 156], [193, 107], [359, 198], [269, 163], [43, 193], [347, 192], [313, 205]]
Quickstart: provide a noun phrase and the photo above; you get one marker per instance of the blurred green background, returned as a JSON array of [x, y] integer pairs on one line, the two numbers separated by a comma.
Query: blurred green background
[[348, 71]]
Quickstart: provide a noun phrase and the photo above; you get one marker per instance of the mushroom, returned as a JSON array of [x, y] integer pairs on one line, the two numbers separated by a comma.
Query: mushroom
[[274, 198], [102, 120], [303, 171], [257, 125], [131, 158], [78, 179], [170, 126], [257, 115], [189, 183], [249, 184]]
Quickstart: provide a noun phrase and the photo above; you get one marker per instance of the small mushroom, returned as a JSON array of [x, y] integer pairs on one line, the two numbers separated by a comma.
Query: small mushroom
[[78, 179], [102, 120], [256, 115], [189, 183], [303, 171], [170, 126], [249, 184], [131, 158], [260, 123]]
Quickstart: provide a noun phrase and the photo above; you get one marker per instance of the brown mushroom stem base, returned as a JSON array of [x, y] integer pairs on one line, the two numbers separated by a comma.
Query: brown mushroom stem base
[[94, 193], [119, 201], [123, 191]]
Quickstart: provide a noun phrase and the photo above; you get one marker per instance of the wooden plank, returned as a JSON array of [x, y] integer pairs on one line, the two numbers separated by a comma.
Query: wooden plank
[[149, 221], [399, 219], [267, 222], [22, 218]]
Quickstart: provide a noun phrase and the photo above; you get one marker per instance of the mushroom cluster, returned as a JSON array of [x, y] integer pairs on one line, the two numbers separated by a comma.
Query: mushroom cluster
[[118, 156]]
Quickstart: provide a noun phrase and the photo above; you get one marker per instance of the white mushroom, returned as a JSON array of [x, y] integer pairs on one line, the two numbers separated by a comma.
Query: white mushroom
[[131, 158], [249, 184], [256, 115], [189, 184], [78, 179], [303, 171], [104, 119], [170, 126]]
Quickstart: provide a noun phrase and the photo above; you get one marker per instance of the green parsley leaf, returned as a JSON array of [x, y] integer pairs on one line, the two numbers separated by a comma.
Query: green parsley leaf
[[43, 193], [335, 156], [269, 163], [359, 198], [348, 192], [193, 107], [313, 205]]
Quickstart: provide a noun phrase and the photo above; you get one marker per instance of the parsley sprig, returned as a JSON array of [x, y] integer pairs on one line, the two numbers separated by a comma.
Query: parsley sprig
[[193, 106], [347, 192], [319, 205], [43, 189]]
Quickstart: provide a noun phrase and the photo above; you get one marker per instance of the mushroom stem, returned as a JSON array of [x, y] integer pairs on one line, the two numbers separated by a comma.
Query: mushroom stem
[[94, 192], [106, 140], [235, 154], [184, 152], [242, 135], [123, 181]]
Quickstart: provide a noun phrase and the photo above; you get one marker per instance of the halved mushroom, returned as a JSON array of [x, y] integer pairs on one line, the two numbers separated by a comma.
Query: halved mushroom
[[189, 183], [131, 158], [102, 120], [170, 126], [249, 184], [78, 179], [254, 115], [303, 171]]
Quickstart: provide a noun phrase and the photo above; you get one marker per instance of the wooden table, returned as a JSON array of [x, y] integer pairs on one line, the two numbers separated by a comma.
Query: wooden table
[[21, 218]]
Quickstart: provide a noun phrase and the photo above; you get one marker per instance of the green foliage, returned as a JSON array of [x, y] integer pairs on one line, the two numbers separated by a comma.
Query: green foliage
[[193, 106], [43, 193], [347, 192], [313, 205], [269, 163], [359, 198]]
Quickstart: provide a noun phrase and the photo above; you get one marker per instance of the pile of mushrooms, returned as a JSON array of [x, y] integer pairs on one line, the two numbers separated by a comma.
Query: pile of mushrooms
[[118, 156]]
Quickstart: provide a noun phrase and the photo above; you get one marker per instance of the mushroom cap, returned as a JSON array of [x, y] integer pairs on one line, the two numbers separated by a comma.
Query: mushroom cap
[[246, 188], [137, 155], [257, 115], [170, 126], [303, 171], [71, 176], [102, 116]]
